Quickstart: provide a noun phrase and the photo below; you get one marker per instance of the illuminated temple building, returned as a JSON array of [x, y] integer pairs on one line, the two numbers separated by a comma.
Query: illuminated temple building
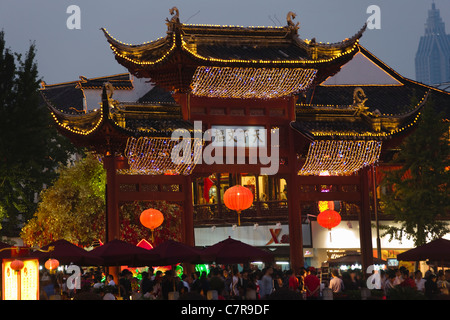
[[335, 111]]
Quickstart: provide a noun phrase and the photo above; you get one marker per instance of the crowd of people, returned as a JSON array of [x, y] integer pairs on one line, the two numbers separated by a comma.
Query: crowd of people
[[393, 283], [227, 282]]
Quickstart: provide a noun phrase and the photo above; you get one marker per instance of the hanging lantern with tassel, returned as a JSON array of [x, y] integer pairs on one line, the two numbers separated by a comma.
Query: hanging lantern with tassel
[[238, 198], [152, 219], [329, 219]]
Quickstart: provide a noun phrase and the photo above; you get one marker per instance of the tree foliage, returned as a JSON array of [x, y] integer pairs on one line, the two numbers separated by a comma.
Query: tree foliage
[[419, 190], [30, 147], [73, 208]]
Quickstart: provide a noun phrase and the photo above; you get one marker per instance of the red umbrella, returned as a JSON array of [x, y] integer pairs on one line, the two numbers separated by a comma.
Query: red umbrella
[[121, 253], [234, 251], [172, 252], [67, 253], [437, 250]]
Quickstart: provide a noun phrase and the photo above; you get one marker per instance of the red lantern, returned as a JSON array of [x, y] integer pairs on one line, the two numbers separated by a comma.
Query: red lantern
[[17, 265], [329, 219], [51, 264], [152, 219], [238, 198]]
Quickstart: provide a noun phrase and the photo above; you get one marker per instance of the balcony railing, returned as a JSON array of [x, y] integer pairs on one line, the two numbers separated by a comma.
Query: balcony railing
[[267, 211]]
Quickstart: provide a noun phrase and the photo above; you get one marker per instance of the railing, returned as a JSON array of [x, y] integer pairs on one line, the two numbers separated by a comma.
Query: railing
[[270, 212], [267, 211]]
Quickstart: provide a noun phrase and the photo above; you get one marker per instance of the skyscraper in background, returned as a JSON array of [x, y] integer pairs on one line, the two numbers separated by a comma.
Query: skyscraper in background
[[433, 55]]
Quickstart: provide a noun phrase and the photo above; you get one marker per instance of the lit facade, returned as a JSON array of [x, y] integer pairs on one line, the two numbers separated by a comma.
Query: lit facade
[[331, 111]]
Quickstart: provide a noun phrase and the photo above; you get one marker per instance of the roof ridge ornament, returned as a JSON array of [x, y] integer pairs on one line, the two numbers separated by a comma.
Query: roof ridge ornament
[[291, 16], [175, 19], [108, 89], [359, 102]]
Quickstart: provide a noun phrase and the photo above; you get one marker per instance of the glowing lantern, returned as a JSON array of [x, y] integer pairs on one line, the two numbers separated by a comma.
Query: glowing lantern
[[152, 219], [329, 219], [238, 198], [51, 264], [16, 265]]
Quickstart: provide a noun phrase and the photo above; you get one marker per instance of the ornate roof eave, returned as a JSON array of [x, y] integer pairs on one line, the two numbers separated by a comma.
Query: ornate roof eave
[[181, 42], [394, 125], [94, 130], [329, 49], [101, 129], [124, 51]]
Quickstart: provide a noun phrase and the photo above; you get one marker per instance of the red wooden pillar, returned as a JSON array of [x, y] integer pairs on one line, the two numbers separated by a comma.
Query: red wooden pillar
[[294, 210], [188, 213], [295, 225], [188, 220], [112, 206], [365, 228]]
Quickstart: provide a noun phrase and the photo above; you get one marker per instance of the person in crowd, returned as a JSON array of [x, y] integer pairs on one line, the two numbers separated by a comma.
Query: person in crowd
[[312, 284], [146, 283], [292, 281], [389, 283], [196, 283], [168, 284], [407, 280], [355, 279], [398, 277], [216, 282], [236, 284], [110, 280], [336, 283], [419, 280], [277, 280], [266, 283], [157, 288], [251, 292], [442, 283], [227, 278], [185, 282], [125, 284], [49, 285], [204, 283], [431, 288]]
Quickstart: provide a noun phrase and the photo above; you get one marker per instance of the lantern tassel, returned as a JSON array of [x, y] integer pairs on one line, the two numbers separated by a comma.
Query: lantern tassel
[[330, 235], [239, 217]]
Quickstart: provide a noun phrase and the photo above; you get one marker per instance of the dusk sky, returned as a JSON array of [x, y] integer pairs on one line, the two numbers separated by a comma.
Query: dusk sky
[[64, 54]]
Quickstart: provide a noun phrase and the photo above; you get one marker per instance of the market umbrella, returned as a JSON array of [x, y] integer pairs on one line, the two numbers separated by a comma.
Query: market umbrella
[[235, 251], [67, 253], [120, 253], [436, 250], [172, 252], [352, 258]]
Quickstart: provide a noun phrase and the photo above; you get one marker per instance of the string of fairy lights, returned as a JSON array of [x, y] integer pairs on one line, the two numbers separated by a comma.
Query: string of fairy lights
[[127, 55], [153, 156], [228, 82], [340, 157]]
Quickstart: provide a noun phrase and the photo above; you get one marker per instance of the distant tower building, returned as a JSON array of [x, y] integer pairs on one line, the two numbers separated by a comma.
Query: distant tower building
[[433, 54]]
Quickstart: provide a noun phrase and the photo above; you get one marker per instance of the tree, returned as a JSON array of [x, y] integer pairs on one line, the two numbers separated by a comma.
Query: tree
[[419, 190], [73, 208], [30, 147]]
